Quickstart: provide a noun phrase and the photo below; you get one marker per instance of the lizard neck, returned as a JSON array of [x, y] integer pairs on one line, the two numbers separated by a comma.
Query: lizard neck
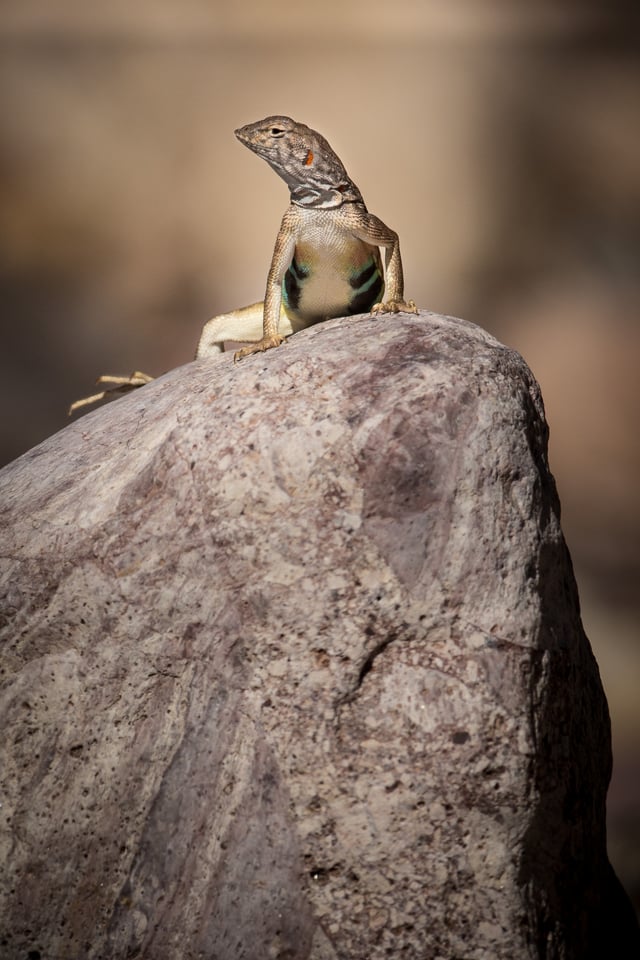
[[325, 197]]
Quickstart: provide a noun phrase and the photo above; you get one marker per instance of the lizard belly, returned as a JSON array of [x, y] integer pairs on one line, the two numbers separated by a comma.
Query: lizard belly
[[332, 280]]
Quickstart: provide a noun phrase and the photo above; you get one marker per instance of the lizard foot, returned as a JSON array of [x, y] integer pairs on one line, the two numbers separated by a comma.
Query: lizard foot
[[395, 306], [265, 344], [114, 385]]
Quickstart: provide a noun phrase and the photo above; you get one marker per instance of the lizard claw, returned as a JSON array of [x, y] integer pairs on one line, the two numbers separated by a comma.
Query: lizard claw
[[395, 306], [265, 344]]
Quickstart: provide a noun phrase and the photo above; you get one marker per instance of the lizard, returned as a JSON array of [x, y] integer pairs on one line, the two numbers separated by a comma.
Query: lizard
[[326, 260]]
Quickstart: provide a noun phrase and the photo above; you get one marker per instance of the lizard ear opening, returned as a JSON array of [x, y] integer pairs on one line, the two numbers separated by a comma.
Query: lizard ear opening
[[309, 159]]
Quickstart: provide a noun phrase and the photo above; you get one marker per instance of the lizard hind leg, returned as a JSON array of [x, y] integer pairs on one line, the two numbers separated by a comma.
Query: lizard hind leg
[[239, 326], [113, 385], [242, 324]]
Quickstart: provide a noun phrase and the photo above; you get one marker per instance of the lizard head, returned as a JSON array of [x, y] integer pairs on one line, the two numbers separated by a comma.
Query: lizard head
[[314, 174]]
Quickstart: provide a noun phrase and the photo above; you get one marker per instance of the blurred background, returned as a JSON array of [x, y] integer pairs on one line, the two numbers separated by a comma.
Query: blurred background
[[500, 139]]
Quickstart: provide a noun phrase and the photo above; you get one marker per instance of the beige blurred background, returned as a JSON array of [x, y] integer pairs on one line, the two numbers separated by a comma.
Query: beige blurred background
[[501, 140]]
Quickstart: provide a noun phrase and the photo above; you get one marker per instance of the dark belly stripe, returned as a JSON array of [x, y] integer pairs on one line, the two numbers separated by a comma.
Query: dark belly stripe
[[360, 279], [292, 284], [363, 300]]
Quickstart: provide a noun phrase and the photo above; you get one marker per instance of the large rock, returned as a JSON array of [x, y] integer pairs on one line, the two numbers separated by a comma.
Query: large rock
[[294, 668]]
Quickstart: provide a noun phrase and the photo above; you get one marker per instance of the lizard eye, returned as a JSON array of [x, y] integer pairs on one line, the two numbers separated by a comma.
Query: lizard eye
[[276, 132]]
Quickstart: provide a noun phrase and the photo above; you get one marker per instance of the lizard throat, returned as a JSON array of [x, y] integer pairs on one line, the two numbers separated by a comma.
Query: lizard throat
[[325, 198]]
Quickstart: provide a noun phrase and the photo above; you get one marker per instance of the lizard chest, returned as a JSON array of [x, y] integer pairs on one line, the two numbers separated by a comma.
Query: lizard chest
[[332, 274]]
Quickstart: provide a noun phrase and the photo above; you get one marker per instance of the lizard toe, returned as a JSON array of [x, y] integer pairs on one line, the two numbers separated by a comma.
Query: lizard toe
[[395, 306], [267, 343]]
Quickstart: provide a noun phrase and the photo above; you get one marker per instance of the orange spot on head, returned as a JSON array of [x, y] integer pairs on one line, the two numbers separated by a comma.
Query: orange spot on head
[[309, 159]]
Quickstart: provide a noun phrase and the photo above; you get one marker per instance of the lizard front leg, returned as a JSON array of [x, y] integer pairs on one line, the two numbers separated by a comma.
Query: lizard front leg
[[282, 256], [371, 229]]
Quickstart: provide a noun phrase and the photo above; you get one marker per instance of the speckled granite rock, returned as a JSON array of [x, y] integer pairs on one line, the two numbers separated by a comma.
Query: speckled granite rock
[[293, 668]]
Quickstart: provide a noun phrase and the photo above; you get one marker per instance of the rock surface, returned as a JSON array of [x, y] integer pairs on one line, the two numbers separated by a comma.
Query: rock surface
[[293, 668]]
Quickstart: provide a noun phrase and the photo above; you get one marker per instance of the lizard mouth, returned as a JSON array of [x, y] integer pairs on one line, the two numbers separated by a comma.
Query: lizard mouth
[[246, 139]]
